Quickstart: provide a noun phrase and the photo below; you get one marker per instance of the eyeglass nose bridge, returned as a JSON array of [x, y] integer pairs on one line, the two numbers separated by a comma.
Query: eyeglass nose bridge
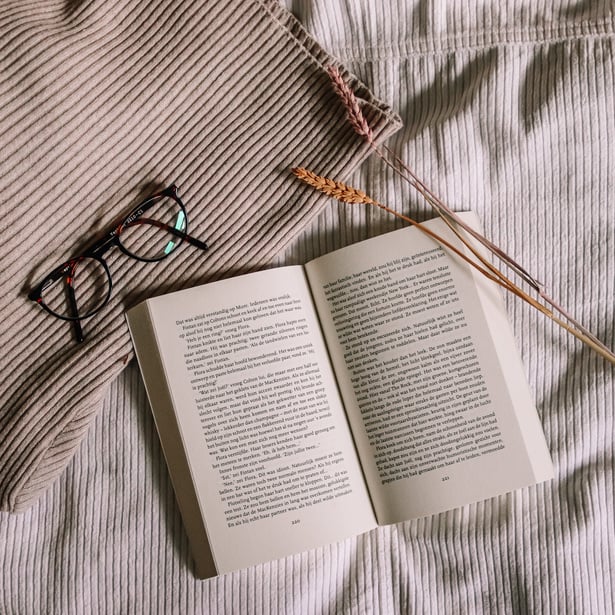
[[103, 245]]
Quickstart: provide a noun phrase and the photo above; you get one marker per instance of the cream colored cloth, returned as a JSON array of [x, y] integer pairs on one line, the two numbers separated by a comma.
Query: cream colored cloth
[[101, 102], [507, 110]]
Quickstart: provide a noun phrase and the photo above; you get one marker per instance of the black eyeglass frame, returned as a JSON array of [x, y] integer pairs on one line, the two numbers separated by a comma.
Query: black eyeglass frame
[[98, 248]]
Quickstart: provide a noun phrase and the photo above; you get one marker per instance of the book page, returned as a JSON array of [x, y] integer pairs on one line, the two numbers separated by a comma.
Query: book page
[[260, 417], [432, 383]]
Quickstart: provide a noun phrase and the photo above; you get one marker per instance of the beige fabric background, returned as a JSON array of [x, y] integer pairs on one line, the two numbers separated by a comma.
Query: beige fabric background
[[508, 110]]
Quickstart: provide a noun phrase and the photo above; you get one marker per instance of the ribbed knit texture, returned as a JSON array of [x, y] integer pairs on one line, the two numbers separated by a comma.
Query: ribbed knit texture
[[508, 110], [101, 102]]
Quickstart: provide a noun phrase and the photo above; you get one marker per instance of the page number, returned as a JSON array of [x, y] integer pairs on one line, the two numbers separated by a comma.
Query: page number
[[445, 478], [295, 521]]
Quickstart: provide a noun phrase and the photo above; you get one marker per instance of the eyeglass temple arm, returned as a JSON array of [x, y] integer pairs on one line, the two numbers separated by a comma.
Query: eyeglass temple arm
[[189, 238], [72, 301]]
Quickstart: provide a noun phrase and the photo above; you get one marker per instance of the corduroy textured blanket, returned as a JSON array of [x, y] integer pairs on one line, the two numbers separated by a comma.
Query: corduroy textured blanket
[[507, 110], [100, 103]]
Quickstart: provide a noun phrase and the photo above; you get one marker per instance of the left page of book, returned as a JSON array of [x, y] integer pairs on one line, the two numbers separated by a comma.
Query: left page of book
[[258, 414]]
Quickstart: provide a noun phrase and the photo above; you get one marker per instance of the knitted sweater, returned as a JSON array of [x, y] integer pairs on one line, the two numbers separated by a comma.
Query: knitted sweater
[[100, 103]]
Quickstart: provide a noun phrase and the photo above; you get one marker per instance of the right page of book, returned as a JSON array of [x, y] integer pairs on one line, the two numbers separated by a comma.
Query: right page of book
[[434, 388]]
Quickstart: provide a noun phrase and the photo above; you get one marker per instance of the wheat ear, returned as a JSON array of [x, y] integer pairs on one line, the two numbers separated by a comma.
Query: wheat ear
[[353, 110], [332, 188]]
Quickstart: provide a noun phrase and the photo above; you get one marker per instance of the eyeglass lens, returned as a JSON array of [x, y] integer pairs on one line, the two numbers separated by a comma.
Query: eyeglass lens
[[90, 282], [145, 239]]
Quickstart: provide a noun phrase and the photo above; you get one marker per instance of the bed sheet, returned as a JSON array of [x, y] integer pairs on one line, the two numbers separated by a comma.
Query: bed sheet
[[507, 110]]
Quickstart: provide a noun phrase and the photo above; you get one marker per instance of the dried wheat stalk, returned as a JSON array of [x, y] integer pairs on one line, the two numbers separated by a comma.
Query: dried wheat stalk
[[347, 194], [358, 121]]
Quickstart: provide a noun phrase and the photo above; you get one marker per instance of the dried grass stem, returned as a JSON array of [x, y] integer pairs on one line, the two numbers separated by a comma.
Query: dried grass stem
[[347, 194]]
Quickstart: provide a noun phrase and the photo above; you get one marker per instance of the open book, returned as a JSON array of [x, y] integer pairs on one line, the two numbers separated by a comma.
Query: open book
[[301, 405]]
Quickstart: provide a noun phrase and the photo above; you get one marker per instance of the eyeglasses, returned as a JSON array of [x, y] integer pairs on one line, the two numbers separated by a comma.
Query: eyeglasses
[[81, 287]]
